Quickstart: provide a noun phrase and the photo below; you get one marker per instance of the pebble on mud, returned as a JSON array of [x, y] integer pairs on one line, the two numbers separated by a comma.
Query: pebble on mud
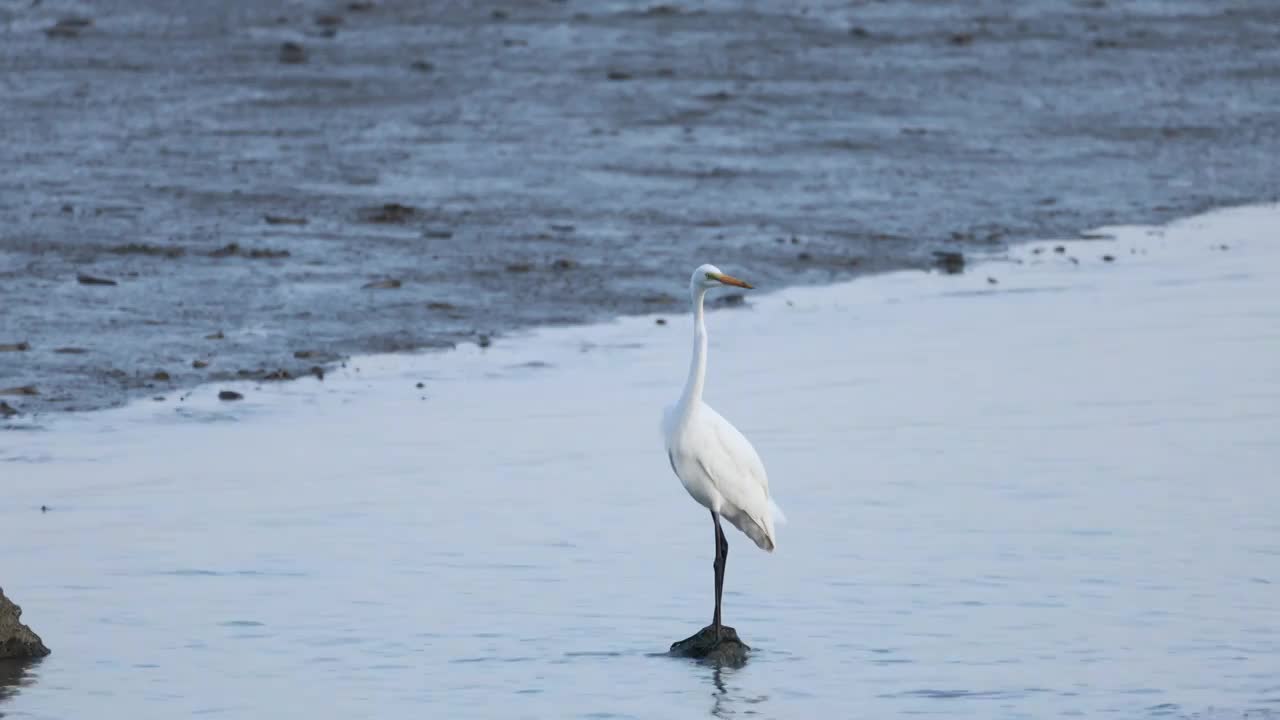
[[254, 254], [68, 27], [70, 351], [951, 262], [284, 220], [199, 364], [151, 250], [1108, 258], [1059, 249], [230, 395], [484, 341], [317, 372], [419, 386], [215, 336], [161, 376], [992, 281], [731, 300], [564, 264], [291, 53], [618, 75], [389, 213], [660, 321], [389, 284], [91, 280], [16, 347]]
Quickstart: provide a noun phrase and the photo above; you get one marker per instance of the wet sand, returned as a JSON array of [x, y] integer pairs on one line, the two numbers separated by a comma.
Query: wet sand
[[243, 170], [1049, 495]]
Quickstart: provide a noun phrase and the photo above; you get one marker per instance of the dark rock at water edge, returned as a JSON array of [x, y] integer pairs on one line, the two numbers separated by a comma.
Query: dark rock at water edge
[[17, 640], [704, 646]]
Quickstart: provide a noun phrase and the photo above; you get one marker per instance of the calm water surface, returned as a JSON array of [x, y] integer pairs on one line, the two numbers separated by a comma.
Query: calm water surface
[[1051, 496]]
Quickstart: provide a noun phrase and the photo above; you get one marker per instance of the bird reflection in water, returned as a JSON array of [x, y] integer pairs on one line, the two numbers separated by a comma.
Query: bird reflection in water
[[723, 704]]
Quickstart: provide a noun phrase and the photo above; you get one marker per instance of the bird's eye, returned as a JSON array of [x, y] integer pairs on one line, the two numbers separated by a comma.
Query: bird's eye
[[711, 276]]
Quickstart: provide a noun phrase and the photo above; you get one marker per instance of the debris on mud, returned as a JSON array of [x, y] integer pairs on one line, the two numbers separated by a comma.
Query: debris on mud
[[215, 336], [150, 250], [230, 395], [389, 214], [388, 284], [291, 53], [199, 364], [20, 390], [284, 220], [15, 347], [68, 27], [91, 280], [234, 249]]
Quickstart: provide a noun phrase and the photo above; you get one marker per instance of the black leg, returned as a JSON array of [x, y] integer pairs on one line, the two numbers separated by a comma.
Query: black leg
[[722, 555]]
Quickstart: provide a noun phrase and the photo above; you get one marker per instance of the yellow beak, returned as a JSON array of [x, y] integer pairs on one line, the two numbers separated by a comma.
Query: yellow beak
[[731, 280]]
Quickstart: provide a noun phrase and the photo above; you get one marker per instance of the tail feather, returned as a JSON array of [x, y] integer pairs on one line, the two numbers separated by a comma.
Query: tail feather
[[759, 530]]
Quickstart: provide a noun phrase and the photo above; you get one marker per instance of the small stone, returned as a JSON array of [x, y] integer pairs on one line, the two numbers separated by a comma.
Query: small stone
[[215, 336], [484, 341], [1059, 249], [660, 321], [16, 347], [564, 264], [389, 284], [317, 372], [992, 281], [419, 386], [618, 75], [706, 647], [291, 53], [199, 364], [161, 376], [1108, 258], [230, 395]]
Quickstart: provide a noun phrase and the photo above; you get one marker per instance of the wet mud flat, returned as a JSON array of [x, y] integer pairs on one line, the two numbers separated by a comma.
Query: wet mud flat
[[220, 191]]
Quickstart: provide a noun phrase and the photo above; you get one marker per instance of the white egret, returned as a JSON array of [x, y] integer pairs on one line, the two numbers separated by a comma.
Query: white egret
[[714, 462]]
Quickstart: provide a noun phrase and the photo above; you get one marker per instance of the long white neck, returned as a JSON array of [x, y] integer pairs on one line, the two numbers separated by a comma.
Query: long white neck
[[692, 394]]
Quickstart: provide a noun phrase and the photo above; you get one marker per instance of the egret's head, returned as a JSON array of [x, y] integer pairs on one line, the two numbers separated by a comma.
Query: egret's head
[[709, 276]]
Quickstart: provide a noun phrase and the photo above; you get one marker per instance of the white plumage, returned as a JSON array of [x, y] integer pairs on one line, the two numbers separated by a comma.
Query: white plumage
[[715, 462]]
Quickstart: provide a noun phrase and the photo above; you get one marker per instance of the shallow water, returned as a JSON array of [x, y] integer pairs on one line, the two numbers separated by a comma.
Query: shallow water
[[1054, 495]]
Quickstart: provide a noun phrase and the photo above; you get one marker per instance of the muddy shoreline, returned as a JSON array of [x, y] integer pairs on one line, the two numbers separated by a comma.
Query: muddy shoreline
[[242, 191]]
